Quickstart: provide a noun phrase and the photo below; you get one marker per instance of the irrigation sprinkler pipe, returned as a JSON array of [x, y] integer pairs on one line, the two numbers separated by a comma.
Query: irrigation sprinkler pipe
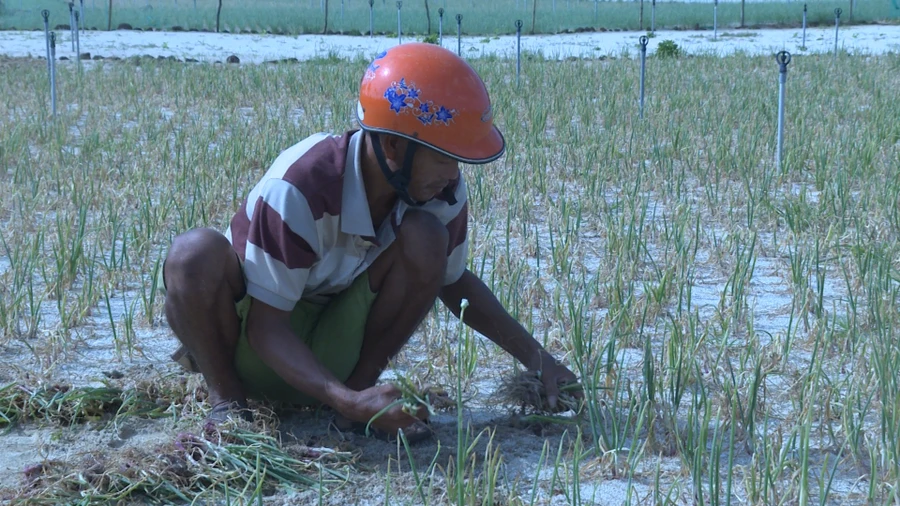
[[518, 50], [837, 26], [804, 27], [46, 15], [459, 34], [77, 40], [81, 10], [72, 24], [644, 40], [715, 19], [399, 28], [783, 58], [441, 27], [53, 73]]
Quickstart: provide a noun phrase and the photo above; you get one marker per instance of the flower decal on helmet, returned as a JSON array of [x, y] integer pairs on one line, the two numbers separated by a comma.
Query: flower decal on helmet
[[370, 71], [445, 115], [406, 99]]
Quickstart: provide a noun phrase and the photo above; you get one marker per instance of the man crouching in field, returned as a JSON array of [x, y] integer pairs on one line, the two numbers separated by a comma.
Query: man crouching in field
[[338, 253]]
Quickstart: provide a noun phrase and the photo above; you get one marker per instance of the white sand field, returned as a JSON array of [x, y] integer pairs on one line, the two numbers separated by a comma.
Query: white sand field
[[870, 39]]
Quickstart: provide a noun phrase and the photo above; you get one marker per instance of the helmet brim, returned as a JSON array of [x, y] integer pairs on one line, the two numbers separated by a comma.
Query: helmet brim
[[483, 151]]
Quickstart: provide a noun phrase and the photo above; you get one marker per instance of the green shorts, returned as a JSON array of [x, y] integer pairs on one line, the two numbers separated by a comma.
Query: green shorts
[[334, 332]]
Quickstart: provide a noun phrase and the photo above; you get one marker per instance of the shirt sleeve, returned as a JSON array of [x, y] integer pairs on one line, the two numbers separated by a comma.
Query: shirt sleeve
[[281, 245], [456, 218], [457, 246]]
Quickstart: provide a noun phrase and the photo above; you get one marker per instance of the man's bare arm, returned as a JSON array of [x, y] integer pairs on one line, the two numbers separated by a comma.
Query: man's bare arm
[[487, 316], [270, 336]]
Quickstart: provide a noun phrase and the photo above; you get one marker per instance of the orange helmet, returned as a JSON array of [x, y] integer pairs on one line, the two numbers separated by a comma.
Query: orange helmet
[[428, 94]]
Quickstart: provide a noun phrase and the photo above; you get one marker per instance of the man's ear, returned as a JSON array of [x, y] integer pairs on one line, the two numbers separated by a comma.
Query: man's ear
[[394, 147]]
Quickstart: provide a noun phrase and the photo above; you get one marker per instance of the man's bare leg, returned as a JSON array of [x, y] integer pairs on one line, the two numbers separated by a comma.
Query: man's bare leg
[[407, 278], [203, 280]]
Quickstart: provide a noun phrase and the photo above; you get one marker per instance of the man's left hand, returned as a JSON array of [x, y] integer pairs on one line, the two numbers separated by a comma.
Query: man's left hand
[[554, 375]]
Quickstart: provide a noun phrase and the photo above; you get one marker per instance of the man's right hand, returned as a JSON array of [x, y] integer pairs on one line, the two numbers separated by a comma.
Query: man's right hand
[[270, 335], [369, 402]]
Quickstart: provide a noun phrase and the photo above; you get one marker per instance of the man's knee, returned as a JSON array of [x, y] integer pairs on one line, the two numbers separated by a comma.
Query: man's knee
[[199, 258], [424, 239]]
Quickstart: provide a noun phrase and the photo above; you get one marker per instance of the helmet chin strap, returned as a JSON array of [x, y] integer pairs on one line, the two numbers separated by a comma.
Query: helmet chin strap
[[400, 179]]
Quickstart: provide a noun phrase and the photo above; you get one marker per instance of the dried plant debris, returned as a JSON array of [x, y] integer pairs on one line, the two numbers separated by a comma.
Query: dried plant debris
[[526, 390], [227, 461], [65, 405]]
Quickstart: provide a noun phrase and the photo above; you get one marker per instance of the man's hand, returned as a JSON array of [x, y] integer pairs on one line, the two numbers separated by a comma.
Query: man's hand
[[270, 335], [555, 375], [371, 401]]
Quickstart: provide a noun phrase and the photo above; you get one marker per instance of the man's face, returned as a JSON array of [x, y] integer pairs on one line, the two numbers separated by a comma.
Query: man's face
[[431, 171]]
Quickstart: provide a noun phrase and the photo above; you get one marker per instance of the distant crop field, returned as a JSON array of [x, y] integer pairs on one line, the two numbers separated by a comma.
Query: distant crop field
[[487, 18]]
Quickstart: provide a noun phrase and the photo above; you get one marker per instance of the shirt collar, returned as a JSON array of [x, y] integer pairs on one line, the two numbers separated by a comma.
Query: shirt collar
[[356, 219]]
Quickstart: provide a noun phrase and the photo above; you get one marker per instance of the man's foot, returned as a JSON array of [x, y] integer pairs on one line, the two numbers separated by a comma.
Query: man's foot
[[415, 433]]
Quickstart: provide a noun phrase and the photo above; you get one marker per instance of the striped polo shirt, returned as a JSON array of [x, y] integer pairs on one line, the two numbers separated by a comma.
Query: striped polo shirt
[[305, 230]]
